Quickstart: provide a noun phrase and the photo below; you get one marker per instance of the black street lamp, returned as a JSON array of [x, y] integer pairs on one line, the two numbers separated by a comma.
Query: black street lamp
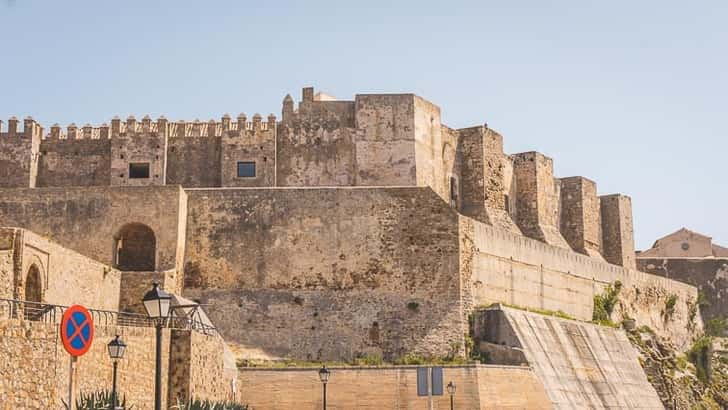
[[116, 347], [324, 374], [451, 391], [156, 302]]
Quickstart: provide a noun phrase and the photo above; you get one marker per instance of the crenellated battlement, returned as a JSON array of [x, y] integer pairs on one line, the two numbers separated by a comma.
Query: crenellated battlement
[[121, 128], [31, 129]]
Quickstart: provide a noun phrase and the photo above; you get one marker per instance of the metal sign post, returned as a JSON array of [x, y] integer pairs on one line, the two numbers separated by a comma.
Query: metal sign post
[[77, 333]]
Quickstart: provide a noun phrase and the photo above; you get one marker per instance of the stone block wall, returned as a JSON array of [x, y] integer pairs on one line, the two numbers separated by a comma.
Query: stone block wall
[[194, 161], [197, 369], [488, 187], [87, 219], [135, 284], [478, 387], [617, 230], [34, 367], [66, 277], [581, 216], [537, 198], [84, 162], [18, 151], [378, 267], [141, 147], [254, 145]]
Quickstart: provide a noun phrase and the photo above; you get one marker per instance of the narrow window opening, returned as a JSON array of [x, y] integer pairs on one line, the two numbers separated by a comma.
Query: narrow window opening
[[453, 189], [506, 203], [246, 169], [139, 170]]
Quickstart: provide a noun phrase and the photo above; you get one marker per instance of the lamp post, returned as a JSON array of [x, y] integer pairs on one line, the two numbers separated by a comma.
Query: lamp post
[[451, 391], [324, 374], [116, 347], [156, 303]]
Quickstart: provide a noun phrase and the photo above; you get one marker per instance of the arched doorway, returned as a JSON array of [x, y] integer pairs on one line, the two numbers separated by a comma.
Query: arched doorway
[[135, 247], [34, 294]]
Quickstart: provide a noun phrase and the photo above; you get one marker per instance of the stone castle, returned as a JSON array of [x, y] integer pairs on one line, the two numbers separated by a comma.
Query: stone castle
[[346, 229]]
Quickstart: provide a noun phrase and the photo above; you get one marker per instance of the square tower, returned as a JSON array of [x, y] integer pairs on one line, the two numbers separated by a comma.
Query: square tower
[[617, 230], [537, 198]]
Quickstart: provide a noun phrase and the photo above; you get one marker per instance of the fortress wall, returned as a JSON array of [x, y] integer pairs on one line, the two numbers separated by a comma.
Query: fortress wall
[[194, 161], [617, 230], [394, 387], [17, 164], [387, 147], [32, 354], [581, 216], [84, 162], [376, 268], [521, 271], [69, 277], [7, 262], [66, 277], [537, 198], [315, 145], [139, 147], [197, 368], [87, 219], [258, 146]]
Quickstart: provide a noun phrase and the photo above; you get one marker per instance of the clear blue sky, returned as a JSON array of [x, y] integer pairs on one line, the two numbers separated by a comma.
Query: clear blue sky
[[632, 94]]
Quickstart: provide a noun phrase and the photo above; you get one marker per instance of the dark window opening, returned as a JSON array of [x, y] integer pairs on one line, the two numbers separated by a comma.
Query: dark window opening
[[246, 169], [506, 203], [139, 170], [453, 188], [34, 293]]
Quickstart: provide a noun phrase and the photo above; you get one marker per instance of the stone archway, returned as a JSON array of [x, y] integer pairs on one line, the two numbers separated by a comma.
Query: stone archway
[[33, 285], [135, 248], [33, 293]]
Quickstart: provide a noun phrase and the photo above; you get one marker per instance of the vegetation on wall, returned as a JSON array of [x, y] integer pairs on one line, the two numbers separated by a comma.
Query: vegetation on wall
[[699, 355], [98, 400], [716, 327], [197, 404], [604, 304], [670, 303]]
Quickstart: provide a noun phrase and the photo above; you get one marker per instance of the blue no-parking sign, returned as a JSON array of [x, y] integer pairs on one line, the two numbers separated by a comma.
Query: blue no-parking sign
[[77, 330]]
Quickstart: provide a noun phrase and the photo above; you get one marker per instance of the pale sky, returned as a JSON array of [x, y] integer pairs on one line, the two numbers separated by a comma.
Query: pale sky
[[629, 94]]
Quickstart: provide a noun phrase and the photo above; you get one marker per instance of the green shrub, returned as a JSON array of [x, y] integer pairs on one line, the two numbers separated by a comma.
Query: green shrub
[[670, 303], [604, 304], [98, 400], [699, 355], [716, 327], [373, 359], [413, 306]]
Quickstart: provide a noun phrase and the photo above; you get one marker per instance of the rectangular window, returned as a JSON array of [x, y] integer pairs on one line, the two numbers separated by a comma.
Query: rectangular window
[[139, 170], [246, 169], [507, 204]]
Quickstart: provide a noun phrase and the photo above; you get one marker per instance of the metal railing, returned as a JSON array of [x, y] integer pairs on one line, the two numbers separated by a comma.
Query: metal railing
[[50, 313]]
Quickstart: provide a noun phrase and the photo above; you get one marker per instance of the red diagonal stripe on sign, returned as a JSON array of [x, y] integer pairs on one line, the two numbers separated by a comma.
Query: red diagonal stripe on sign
[[77, 332]]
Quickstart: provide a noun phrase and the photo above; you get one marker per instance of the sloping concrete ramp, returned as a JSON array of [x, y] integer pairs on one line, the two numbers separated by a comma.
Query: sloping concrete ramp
[[581, 365]]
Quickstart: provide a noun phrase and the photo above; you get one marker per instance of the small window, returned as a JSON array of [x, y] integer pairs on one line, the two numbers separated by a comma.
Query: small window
[[139, 170], [246, 169], [507, 203], [453, 188]]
